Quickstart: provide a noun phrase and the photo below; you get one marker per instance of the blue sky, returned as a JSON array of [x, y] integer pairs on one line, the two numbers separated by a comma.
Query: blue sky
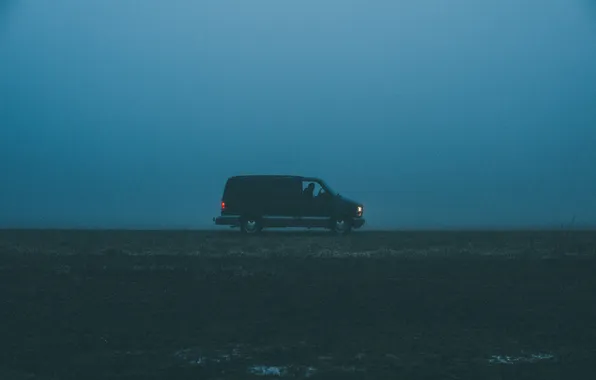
[[432, 113]]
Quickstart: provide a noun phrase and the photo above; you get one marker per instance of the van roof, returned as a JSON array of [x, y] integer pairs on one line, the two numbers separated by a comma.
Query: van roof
[[270, 176]]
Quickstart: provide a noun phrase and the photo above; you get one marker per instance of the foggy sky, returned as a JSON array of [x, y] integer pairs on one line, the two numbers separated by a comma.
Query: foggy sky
[[431, 113]]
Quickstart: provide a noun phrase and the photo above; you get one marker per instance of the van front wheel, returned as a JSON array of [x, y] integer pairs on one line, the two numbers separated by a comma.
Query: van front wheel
[[341, 225]]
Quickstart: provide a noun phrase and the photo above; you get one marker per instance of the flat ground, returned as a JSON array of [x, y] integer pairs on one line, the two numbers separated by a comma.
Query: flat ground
[[375, 305]]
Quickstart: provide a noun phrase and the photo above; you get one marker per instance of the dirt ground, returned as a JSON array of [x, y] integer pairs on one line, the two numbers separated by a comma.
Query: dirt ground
[[373, 305]]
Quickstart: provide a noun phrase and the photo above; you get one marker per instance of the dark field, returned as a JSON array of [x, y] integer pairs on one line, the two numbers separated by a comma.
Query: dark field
[[375, 305]]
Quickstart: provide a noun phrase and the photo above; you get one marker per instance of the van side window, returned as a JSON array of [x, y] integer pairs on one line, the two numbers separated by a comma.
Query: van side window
[[310, 189]]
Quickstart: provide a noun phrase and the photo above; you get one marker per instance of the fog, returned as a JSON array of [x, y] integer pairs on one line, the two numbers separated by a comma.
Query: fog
[[434, 114]]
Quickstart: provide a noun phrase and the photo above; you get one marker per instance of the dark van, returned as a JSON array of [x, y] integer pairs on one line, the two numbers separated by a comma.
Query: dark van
[[254, 202]]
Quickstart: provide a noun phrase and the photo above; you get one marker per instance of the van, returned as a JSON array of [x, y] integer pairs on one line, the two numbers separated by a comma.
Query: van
[[254, 202]]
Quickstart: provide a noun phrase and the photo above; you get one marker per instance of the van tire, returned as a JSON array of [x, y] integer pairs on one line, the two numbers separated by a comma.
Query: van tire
[[250, 225], [341, 225]]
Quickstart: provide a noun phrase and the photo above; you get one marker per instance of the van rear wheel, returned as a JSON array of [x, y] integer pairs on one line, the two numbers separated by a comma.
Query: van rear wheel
[[250, 225]]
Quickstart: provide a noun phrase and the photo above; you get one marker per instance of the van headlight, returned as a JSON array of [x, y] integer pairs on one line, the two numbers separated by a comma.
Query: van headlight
[[359, 210]]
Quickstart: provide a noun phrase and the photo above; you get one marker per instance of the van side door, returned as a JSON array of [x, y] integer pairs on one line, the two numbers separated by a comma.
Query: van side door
[[285, 197], [318, 204]]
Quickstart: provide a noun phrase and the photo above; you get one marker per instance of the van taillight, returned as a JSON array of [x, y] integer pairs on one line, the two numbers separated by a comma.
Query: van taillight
[[223, 206]]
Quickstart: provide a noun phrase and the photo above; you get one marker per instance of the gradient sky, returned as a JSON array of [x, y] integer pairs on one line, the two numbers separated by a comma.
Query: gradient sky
[[433, 113]]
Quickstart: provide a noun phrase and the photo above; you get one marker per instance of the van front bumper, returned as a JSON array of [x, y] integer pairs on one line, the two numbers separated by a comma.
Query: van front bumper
[[358, 222]]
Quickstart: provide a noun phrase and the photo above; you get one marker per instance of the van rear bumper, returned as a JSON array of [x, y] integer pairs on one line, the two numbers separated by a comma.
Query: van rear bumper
[[233, 221]]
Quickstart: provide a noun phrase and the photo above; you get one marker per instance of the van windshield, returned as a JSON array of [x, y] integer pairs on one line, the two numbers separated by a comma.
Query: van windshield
[[327, 188]]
